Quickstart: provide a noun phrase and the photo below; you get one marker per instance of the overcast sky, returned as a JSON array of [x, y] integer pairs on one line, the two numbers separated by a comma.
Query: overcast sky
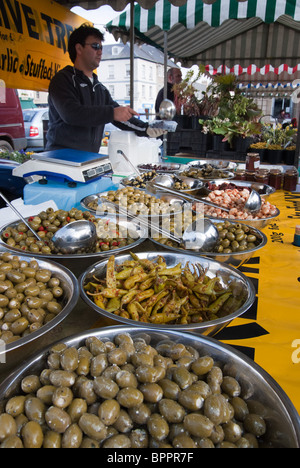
[[99, 17]]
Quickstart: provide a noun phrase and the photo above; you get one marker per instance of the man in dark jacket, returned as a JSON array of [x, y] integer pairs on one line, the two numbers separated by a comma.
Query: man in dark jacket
[[80, 106]]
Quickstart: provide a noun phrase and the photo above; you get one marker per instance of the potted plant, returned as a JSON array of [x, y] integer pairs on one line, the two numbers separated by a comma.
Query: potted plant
[[238, 113], [17, 156], [188, 104], [279, 143]]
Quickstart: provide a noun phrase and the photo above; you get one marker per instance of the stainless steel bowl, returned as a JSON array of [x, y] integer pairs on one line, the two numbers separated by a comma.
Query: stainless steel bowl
[[168, 181], [263, 189], [282, 419], [96, 200], [78, 262], [130, 181], [15, 352], [225, 272], [235, 259], [226, 174], [159, 167], [257, 223], [217, 163]]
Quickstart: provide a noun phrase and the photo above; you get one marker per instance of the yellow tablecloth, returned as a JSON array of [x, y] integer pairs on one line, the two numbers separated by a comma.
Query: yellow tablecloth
[[270, 331]]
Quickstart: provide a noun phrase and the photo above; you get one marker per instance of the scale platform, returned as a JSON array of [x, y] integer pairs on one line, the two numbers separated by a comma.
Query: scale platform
[[65, 165]]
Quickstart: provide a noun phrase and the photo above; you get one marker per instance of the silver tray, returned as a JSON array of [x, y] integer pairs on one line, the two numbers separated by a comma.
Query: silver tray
[[96, 198], [225, 273], [138, 232]]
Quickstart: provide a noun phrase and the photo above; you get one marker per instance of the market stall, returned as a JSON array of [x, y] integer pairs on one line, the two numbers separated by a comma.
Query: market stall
[[265, 333], [180, 314]]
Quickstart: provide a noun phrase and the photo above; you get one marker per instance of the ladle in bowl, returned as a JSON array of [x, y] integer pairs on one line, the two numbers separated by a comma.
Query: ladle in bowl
[[77, 236], [252, 205], [201, 235]]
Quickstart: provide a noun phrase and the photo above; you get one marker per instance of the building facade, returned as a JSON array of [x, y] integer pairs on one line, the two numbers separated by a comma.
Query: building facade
[[114, 73]]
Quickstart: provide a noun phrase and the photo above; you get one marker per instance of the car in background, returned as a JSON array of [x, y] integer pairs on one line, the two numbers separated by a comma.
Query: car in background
[[12, 132], [34, 127]]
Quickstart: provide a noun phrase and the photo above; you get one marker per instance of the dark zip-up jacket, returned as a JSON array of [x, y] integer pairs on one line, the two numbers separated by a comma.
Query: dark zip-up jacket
[[78, 111]]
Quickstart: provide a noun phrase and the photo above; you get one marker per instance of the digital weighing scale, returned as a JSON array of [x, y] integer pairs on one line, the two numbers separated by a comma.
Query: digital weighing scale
[[66, 165], [65, 176]]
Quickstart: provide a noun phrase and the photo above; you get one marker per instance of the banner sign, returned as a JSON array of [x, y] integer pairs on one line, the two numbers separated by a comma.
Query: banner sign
[[34, 42]]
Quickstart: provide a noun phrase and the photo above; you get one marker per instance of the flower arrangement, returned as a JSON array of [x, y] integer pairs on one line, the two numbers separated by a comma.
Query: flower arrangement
[[17, 156]]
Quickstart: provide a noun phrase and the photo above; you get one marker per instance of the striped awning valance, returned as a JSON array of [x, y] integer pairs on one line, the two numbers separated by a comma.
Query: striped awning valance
[[226, 33]]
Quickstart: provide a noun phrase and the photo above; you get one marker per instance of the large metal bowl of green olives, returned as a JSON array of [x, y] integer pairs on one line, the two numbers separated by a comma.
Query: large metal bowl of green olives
[[237, 242], [115, 233], [36, 295], [191, 391]]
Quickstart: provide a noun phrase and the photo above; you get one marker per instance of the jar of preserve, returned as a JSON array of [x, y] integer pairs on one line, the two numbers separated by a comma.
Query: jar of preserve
[[240, 174], [250, 176], [262, 176], [290, 180], [252, 161], [275, 178]]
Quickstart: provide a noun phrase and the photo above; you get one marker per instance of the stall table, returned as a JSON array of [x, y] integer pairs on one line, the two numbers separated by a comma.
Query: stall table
[[269, 332]]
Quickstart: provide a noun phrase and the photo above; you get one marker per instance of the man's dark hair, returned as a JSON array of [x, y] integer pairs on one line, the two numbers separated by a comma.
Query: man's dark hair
[[79, 35]]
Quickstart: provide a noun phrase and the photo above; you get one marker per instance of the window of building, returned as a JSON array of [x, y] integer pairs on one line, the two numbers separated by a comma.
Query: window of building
[[143, 72], [151, 73], [111, 89], [127, 90], [111, 72], [127, 71], [143, 91]]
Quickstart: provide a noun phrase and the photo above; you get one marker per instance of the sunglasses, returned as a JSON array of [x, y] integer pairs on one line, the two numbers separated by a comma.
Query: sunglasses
[[95, 45]]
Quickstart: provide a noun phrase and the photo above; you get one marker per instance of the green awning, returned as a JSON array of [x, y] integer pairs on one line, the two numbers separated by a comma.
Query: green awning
[[228, 33]]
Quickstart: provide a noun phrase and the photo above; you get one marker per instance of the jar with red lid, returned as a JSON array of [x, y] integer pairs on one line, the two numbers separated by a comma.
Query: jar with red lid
[[252, 161], [290, 180], [275, 178]]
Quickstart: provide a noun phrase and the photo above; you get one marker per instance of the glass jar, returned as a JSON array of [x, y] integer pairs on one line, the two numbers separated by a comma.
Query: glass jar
[[240, 174], [250, 176], [252, 161], [262, 176], [290, 180], [275, 178]]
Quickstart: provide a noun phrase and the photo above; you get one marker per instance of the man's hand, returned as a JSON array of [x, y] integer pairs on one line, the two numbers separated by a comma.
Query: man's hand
[[123, 113], [155, 132]]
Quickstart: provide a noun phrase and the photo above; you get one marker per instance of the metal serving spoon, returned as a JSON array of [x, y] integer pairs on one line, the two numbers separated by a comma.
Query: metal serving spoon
[[77, 236], [201, 235], [167, 110], [252, 205]]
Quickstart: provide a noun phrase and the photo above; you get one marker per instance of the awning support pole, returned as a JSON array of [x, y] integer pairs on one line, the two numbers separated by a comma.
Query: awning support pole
[[132, 54], [165, 85]]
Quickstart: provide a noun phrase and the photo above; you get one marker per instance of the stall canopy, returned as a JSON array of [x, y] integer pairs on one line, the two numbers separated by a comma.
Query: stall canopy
[[117, 5], [226, 36]]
